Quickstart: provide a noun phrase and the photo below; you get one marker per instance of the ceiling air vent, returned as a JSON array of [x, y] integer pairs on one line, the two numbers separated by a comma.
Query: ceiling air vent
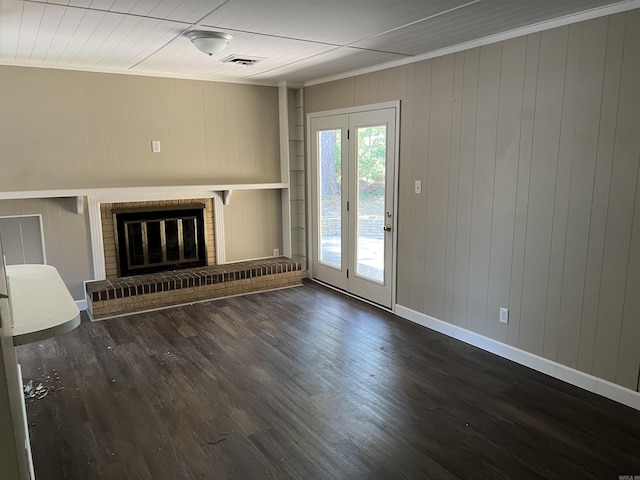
[[242, 60]]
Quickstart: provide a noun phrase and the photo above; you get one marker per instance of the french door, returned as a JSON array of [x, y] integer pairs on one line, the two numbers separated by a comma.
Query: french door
[[353, 170]]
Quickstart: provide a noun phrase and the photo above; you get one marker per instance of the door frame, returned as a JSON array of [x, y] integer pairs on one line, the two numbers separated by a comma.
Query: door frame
[[311, 253]]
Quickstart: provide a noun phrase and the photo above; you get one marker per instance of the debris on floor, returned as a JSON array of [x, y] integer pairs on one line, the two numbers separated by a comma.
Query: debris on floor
[[37, 391], [48, 384]]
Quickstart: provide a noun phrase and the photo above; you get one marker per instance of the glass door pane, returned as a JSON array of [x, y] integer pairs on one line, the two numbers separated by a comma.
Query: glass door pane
[[189, 238], [135, 244], [172, 238], [330, 197], [154, 242], [352, 201], [371, 156]]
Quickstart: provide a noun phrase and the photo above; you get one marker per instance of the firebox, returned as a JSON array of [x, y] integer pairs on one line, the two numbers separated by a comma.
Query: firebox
[[156, 239]]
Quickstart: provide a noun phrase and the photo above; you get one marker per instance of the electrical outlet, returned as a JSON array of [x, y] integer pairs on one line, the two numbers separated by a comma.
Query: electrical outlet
[[504, 315], [276, 252]]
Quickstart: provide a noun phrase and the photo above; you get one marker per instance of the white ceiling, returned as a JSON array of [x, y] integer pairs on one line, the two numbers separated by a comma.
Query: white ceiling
[[300, 40]]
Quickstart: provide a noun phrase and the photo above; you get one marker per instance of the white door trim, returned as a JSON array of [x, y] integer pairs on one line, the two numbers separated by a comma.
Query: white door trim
[[361, 108], [395, 104]]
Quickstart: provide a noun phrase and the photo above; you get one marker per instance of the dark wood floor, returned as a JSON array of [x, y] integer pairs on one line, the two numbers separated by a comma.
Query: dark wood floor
[[305, 383]]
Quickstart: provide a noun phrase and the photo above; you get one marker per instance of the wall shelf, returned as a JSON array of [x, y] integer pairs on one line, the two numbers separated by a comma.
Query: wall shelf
[[169, 191]]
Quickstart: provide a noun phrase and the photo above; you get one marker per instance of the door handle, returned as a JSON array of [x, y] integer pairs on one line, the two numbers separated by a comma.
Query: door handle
[[387, 228]]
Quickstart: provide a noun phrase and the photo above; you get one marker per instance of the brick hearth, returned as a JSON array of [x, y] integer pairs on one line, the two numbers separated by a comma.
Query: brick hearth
[[121, 296]]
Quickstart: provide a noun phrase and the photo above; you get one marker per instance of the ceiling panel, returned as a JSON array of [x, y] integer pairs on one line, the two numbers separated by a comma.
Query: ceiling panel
[[72, 37], [27, 36], [57, 28], [180, 11], [330, 63], [180, 56], [10, 29], [71, 3], [133, 40], [95, 32], [102, 4], [475, 21], [302, 40], [335, 22], [135, 48], [188, 11]]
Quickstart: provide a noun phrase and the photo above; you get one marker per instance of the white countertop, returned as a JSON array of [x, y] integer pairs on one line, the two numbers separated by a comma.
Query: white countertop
[[41, 305]]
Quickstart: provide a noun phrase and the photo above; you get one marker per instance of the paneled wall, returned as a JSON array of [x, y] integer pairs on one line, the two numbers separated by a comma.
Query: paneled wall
[[252, 224], [65, 129], [529, 154]]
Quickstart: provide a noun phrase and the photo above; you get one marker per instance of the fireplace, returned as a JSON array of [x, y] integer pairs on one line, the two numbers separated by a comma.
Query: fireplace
[[142, 237], [156, 239], [166, 234]]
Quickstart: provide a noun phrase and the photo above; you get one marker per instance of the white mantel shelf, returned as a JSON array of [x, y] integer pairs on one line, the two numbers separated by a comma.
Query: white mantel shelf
[[41, 305], [133, 192]]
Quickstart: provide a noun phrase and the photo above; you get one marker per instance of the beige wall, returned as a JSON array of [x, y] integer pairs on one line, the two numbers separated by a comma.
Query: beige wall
[[528, 151], [66, 237], [252, 224], [65, 129]]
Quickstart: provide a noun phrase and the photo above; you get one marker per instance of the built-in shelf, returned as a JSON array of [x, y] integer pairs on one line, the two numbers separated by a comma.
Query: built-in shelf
[[134, 192], [297, 178]]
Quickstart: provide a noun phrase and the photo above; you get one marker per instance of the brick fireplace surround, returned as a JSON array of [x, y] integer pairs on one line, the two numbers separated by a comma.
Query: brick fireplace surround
[[108, 228], [118, 296]]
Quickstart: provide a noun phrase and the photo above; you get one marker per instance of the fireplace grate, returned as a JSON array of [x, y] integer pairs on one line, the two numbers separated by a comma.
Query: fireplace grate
[[153, 241]]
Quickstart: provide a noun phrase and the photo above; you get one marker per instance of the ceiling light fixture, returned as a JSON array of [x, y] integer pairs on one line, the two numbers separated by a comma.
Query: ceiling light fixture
[[209, 42]]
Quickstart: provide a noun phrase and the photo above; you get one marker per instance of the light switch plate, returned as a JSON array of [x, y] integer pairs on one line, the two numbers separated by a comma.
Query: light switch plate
[[418, 187], [155, 146]]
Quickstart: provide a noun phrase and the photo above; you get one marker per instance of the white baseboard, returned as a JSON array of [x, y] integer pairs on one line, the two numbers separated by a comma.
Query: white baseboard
[[81, 304], [567, 374]]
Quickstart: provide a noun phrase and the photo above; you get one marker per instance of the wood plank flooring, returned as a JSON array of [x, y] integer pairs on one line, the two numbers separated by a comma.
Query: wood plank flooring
[[305, 383]]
